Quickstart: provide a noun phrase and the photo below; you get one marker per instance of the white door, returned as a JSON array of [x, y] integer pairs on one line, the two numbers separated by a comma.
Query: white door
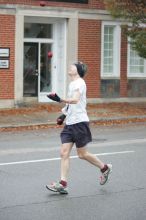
[[52, 71], [45, 71], [30, 70]]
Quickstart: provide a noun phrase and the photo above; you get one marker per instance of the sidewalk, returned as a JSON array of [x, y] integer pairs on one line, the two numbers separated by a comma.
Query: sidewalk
[[44, 116]]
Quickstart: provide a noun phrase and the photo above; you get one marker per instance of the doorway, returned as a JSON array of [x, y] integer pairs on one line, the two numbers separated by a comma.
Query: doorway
[[37, 69], [30, 71], [42, 73]]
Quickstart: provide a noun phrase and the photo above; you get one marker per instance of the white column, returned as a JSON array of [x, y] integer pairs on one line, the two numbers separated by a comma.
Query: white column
[[19, 58], [72, 42], [72, 39]]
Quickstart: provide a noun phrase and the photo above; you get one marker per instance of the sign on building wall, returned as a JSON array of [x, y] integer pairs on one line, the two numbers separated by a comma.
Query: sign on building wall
[[4, 58], [4, 64], [71, 1], [4, 52]]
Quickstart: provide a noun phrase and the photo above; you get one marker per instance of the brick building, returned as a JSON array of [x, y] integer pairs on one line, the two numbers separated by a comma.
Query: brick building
[[71, 30]]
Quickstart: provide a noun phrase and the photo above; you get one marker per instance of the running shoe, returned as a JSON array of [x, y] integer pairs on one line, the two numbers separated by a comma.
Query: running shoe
[[105, 176], [57, 187]]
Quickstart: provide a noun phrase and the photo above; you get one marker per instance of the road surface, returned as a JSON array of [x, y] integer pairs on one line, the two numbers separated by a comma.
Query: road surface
[[30, 159]]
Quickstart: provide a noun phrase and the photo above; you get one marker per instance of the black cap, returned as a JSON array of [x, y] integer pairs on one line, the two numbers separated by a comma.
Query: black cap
[[81, 68]]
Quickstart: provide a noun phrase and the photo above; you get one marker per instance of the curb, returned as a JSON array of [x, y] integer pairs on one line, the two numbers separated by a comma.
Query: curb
[[117, 121], [24, 127], [104, 121]]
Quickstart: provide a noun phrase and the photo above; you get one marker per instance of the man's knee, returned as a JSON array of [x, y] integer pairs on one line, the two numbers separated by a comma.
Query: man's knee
[[82, 155], [64, 153]]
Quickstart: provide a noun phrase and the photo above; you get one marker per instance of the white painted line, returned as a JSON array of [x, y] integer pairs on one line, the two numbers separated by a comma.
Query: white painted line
[[92, 144], [58, 158]]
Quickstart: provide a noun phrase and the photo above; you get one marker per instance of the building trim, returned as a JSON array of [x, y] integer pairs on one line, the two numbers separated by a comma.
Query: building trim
[[53, 11], [6, 103]]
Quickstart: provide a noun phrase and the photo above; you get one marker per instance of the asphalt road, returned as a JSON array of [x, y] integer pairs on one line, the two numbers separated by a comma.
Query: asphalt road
[[30, 159]]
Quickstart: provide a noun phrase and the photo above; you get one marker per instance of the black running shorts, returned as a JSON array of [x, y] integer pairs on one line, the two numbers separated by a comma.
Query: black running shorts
[[79, 134]]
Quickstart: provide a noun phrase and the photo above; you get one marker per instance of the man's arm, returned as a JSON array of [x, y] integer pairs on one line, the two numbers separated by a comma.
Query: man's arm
[[74, 100]]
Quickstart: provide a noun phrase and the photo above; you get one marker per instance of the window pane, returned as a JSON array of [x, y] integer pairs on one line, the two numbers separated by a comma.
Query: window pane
[[111, 30], [106, 61], [136, 63], [111, 38], [105, 30], [30, 68], [111, 46], [33, 30], [106, 45], [106, 38], [45, 69], [108, 49], [108, 69], [141, 69], [106, 53], [141, 62]]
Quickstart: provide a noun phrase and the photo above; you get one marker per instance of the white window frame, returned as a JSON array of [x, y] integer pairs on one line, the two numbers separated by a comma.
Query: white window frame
[[134, 75], [116, 50]]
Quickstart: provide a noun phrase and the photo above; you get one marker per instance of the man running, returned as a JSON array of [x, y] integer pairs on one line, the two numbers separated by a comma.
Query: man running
[[76, 130]]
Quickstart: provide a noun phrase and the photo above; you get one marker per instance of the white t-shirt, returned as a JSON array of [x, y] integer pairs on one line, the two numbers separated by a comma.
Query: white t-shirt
[[77, 112]]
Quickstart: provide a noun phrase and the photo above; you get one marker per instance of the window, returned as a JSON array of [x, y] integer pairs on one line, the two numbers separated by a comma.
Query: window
[[136, 64], [110, 50], [36, 30]]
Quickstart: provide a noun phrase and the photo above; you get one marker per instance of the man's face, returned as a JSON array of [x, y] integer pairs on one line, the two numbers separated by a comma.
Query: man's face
[[72, 72]]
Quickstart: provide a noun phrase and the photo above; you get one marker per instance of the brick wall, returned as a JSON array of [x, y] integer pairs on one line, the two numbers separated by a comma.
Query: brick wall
[[7, 39], [89, 32], [89, 49], [96, 4], [89, 52], [123, 65]]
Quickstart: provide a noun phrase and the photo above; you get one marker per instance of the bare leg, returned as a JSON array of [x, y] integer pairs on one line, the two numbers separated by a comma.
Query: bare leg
[[65, 160], [85, 155]]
